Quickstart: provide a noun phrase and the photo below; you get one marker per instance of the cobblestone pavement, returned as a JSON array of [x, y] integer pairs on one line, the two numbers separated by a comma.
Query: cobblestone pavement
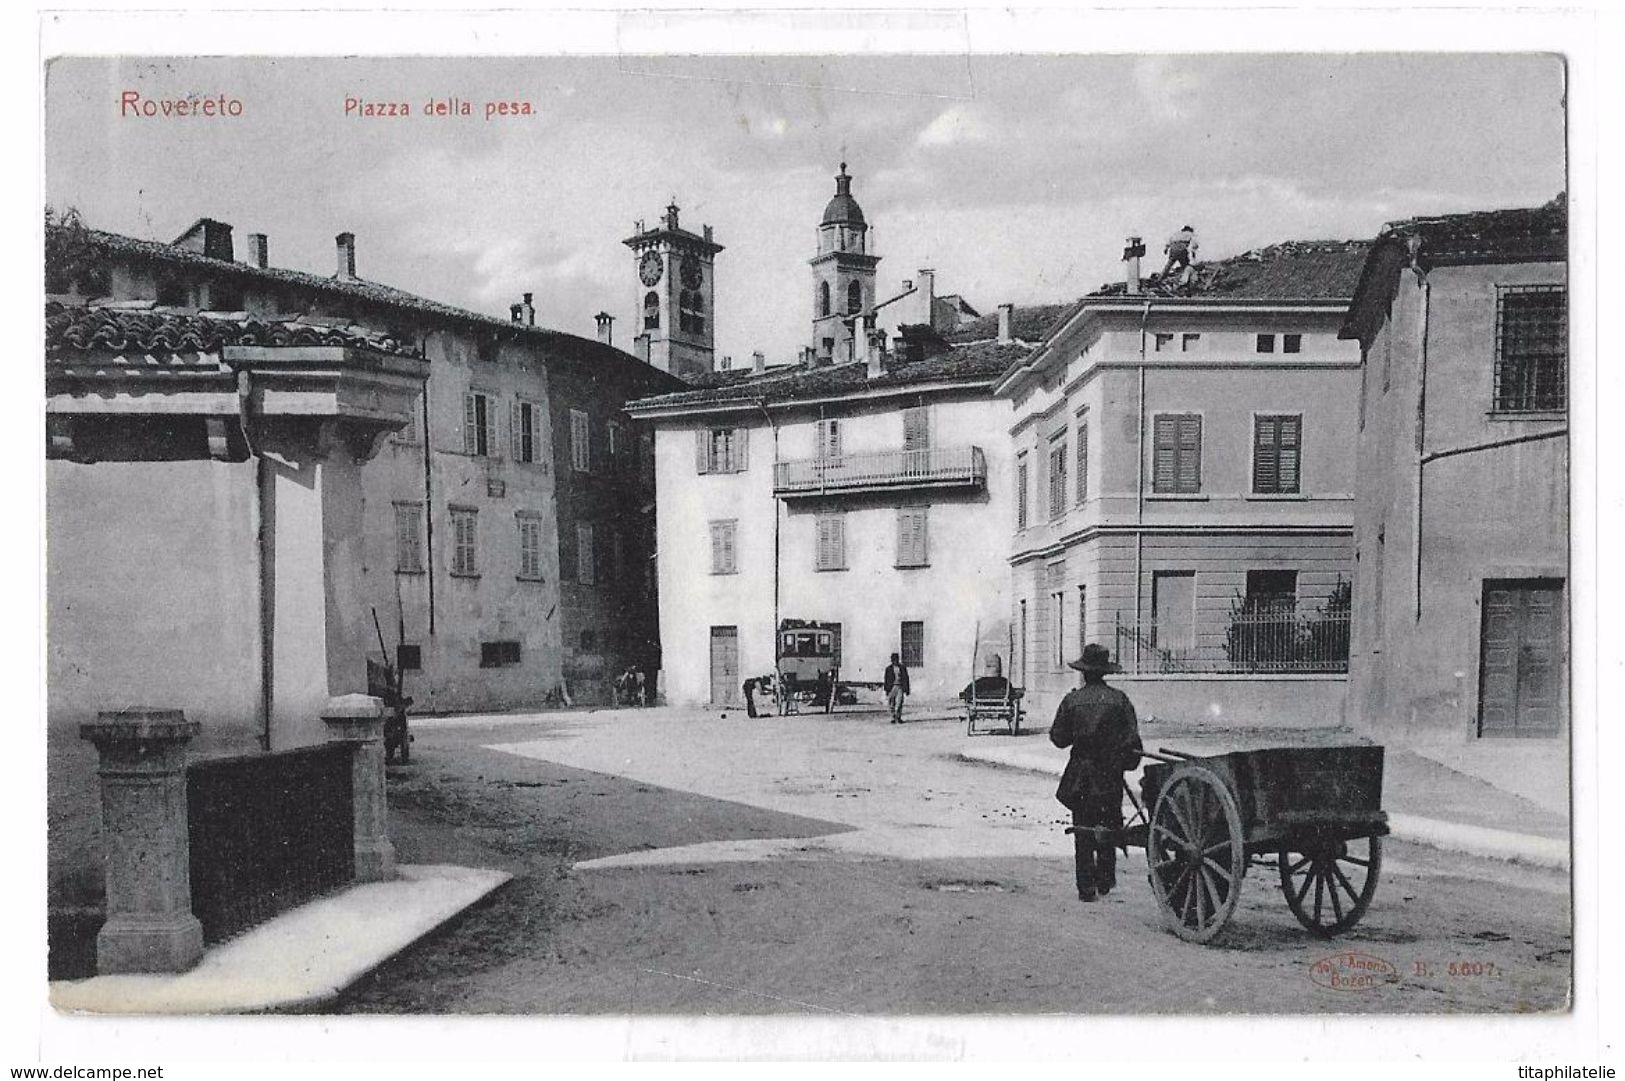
[[675, 863]]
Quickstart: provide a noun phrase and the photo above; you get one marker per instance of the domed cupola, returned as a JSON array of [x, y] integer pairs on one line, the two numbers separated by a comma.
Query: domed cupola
[[843, 209]]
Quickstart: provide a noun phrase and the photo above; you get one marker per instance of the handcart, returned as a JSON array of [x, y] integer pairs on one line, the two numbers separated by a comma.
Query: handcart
[[1315, 812], [992, 703]]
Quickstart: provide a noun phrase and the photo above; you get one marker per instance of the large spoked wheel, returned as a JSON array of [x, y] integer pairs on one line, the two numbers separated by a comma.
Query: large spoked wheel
[[1196, 853], [1329, 884]]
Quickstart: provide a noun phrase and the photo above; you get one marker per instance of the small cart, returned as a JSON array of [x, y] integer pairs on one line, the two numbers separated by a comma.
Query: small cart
[[1315, 812]]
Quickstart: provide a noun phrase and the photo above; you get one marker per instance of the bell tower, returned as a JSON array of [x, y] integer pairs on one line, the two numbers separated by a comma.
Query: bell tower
[[675, 314], [843, 277]]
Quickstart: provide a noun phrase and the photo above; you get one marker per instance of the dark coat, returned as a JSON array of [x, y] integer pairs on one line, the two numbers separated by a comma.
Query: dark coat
[[896, 676], [1099, 724]]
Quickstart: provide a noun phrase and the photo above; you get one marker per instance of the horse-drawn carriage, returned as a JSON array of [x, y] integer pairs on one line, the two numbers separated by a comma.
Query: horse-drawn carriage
[[808, 665], [1315, 812]]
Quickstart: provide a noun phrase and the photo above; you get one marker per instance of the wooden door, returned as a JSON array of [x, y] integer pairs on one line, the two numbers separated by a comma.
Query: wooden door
[[724, 666], [1522, 665]]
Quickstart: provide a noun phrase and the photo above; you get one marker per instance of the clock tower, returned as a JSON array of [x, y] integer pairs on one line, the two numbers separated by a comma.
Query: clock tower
[[843, 277], [675, 313]]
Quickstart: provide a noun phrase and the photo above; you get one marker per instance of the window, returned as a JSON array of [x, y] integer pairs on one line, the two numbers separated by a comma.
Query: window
[[1531, 349], [829, 347], [831, 554], [823, 298], [585, 564], [1177, 453], [409, 434], [725, 547], [912, 545], [1083, 461], [409, 657], [1021, 490], [1271, 591], [912, 640], [1057, 635], [580, 441], [1162, 343], [526, 431], [691, 311], [479, 424], [409, 538], [464, 538], [1291, 343], [651, 310], [498, 654], [530, 546], [1189, 342], [829, 439], [854, 297], [917, 428], [1265, 344], [721, 450], [1057, 476], [1277, 451]]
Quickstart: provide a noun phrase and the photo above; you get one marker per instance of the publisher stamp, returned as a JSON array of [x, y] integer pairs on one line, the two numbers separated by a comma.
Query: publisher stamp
[[1351, 970]]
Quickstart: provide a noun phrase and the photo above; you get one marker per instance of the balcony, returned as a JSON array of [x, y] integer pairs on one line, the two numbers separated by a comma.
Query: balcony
[[882, 471]]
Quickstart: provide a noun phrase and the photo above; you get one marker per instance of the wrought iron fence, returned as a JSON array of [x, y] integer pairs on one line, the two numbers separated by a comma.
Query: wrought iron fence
[[930, 465], [268, 832], [1245, 642]]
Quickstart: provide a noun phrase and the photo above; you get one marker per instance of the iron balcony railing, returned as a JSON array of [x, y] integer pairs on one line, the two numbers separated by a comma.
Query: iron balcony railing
[[931, 467], [1244, 643]]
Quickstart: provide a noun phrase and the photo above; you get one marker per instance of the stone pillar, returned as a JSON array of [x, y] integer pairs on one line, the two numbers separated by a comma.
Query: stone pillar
[[150, 926], [358, 719]]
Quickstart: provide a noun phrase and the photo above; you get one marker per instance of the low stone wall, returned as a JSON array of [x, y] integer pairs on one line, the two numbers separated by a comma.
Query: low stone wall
[[1310, 701]]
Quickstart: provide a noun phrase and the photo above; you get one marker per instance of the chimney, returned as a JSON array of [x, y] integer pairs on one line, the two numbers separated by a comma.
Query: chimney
[[758, 362], [809, 357], [874, 357], [529, 309], [346, 250], [208, 237], [708, 234], [606, 327], [1131, 264], [640, 347], [1006, 317], [259, 250], [926, 298], [726, 365], [516, 313]]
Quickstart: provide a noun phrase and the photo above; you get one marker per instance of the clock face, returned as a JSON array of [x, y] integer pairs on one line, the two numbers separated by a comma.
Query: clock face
[[649, 268], [691, 273]]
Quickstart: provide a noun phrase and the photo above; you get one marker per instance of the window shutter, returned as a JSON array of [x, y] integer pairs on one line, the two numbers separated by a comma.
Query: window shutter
[[470, 424], [1266, 451], [916, 428], [729, 541], [1289, 440], [516, 432], [490, 420], [1083, 462], [1190, 454], [1163, 471], [702, 447], [741, 446], [838, 545]]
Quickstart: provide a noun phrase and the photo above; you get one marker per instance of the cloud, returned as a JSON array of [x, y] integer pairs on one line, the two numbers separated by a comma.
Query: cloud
[[955, 126]]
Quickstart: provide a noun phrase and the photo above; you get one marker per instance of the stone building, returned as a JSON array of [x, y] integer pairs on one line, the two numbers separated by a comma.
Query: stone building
[[1184, 487], [866, 486], [1461, 615], [507, 530]]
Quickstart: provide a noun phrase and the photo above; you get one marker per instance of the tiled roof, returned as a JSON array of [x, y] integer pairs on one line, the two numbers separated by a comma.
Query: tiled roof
[[1028, 323], [971, 365], [1533, 234], [1296, 270], [354, 289], [179, 336]]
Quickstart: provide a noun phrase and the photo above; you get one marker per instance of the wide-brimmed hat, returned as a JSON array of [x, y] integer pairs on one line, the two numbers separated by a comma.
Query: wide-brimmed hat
[[1096, 658]]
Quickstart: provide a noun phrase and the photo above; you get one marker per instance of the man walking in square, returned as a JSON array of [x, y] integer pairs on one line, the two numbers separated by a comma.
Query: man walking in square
[[1099, 724], [896, 687]]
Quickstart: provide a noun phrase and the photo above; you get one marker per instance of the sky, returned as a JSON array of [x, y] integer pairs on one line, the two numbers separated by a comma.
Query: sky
[[1015, 178]]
